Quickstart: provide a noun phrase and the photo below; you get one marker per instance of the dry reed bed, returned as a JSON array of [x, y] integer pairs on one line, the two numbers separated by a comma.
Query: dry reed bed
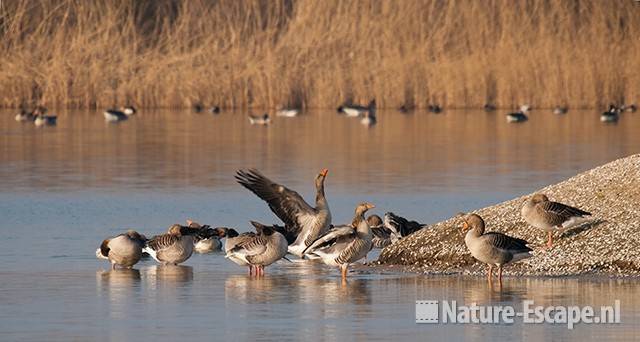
[[169, 53], [607, 244]]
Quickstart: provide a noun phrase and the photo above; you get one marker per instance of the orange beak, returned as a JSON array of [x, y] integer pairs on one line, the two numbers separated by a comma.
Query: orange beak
[[324, 172], [465, 225]]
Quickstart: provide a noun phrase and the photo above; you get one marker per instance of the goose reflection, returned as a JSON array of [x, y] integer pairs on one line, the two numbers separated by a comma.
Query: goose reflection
[[118, 286], [168, 275]]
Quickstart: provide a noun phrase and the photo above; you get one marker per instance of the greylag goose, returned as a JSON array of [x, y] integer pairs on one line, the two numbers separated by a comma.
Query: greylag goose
[[263, 119], [344, 245], [434, 108], [399, 226], [124, 250], [41, 119], [629, 108], [174, 247], [302, 221], [352, 110], [233, 239], [560, 110], [205, 239], [611, 115], [288, 112], [382, 237], [492, 248], [261, 250], [549, 216], [114, 115]]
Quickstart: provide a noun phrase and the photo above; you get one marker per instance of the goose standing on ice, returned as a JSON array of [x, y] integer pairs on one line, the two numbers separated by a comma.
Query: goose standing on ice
[[263, 119], [175, 247], [357, 110], [549, 216], [344, 245], [260, 250], [492, 248], [301, 220], [205, 239], [124, 250]]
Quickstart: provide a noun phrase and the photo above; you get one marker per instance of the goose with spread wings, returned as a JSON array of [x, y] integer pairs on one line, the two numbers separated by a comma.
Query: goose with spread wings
[[303, 223], [344, 245]]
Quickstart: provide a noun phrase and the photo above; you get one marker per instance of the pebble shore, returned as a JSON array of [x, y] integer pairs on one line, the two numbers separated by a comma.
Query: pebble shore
[[607, 244]]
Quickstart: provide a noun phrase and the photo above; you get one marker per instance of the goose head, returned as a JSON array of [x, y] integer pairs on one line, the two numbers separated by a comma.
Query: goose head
[[374, 220], [223, 232], [539, 198], [321, 177], [363, 207], [473, 221]]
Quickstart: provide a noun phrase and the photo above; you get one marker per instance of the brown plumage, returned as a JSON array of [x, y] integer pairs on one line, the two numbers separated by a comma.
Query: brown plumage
[[172, 248], [550, 216], [124, 250]]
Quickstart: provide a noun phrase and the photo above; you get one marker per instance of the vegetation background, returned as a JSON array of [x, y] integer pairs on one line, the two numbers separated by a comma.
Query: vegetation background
[[267, 53]]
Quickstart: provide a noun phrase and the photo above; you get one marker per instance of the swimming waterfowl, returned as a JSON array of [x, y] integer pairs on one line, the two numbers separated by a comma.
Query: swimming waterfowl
[[124, 250], [129, 110], [406, 108], [205, 239], [114, 115], [197, 107], [549, 216], [24, 116], [611, 115], [369, 119], [214, 110], [560, 110], [288, 112], [174, 247], [434, 108], [492, 248], [519, 116], [352, 110], [45, 120], [629, 108], [344, 245], [399, 226], [263, 119], [301, 220], [488, 107], [261, 250]]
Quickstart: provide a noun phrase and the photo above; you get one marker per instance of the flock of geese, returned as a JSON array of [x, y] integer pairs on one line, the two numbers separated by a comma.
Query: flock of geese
[[367, 114], [308, 233]]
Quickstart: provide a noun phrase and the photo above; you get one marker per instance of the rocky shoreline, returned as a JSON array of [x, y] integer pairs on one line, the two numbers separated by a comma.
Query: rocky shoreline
[[607, 244]]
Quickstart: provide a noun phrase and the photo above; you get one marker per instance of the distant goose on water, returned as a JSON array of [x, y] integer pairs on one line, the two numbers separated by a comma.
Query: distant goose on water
[[519, 116], [25, 116], [214, 110], [488, 107], [549, 216], [114, 115], [434, 108], [629, 108], [124, 250], [611, 115], [45, 120], [174, 247], [369, 119], [344, 245], [560, 110], [407, 108], [263, 119], [303, 223], [352, 110], [492, 248], [288, 112]]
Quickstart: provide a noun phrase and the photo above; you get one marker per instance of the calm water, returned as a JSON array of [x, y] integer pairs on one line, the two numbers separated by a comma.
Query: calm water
[[63, 189]]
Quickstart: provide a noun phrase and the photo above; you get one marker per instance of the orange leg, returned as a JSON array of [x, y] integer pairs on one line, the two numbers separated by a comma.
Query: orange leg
[[490, 274], [500, 275], [550, 240]]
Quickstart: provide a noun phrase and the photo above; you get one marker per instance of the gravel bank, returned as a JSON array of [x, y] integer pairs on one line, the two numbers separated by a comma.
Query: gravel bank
[[608, 244]]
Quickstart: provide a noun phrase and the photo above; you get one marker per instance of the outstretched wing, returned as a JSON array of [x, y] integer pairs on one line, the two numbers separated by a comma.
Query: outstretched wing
[[287, 204], [331, 237]]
